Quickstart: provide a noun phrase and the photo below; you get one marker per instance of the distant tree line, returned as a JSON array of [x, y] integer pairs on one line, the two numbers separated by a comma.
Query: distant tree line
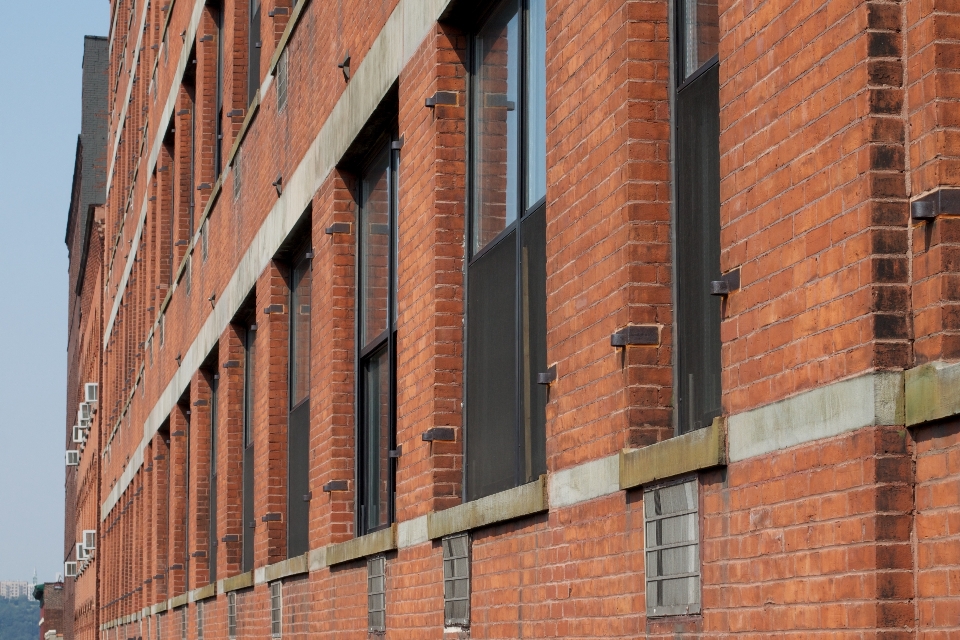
[[19, 619]]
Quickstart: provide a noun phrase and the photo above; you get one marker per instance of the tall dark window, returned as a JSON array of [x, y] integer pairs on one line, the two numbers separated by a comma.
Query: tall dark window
[[376, 332], [697, 231], [214, 417], [216, 9], [249, 362], [298, 433], [506, 271], [253, 60]]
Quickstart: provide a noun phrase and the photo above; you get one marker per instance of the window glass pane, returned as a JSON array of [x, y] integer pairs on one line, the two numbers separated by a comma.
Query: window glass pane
[[374, 249], [701, 34], [300, 334], [492, 435], [250, 336], [535, 109], [376, 440], [533, 298], [496, 125], [698, 251]]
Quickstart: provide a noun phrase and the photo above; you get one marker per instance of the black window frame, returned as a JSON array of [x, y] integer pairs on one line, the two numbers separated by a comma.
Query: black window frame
[[254, 44], [385, 340], [473, 257], [214, 433], [248, 482], [216, 7], [298, 413]]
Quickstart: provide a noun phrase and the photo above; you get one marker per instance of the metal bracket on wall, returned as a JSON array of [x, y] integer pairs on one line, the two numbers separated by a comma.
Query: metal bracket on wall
[[445, 434], [727, 284], [943, 201], [271, 517], [396, 453], [345, 66], [441, 98], [548, 377], [335, 485], [338, 227], [636, 335]]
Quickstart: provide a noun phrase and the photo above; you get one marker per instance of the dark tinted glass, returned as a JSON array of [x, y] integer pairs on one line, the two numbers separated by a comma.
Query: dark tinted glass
[[254, 59], [249, 338], [375, 249], [298, 480], [700, 37], [376, 440], [248, 518], [496, 125], [300, 306], [533, 300], [698, 251], [491, 394], [214, 402]]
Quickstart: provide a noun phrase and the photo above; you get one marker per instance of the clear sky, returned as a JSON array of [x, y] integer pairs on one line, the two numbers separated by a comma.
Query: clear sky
[[41, 45]]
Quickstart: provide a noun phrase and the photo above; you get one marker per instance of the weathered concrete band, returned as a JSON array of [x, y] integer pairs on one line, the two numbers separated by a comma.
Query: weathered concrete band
[[701, 449], [362, 547], [932, 392], [868, 400], [524, 500]]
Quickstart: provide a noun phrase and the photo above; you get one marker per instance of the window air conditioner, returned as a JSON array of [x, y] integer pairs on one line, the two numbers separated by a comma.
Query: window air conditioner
[[90, 539], [90, 393], [70, 569], [73, 457]]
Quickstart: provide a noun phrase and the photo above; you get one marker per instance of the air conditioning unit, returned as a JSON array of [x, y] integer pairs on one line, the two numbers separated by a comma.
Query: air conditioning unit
[[69, 569], [81, 551], [84, 412], [90, 393], [73, 457], [83, 422], [79, 434], [90, 539]]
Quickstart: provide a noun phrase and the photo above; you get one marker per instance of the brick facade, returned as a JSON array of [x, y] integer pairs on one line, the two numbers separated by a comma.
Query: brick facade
[[828, 509]]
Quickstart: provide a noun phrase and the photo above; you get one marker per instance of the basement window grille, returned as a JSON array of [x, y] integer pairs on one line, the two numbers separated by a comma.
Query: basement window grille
[[282, 76], [456, 580], [232, 615], [183, 624], [199, 621], [671, 524], [376, 594], [236, 175], [276, 609]]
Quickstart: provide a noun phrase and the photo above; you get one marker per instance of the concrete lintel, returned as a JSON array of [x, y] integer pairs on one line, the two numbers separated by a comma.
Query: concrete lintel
[[317, 559], [700, 449], [932, 391], [584, 482], [160, 607], [289, 567], [412, 532], [507, 505], [259, 576], [362, 547], [179, 601], [237, 582], [209, 591], [867, 400]]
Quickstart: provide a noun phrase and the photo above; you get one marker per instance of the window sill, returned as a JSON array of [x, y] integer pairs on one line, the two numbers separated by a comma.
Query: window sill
[[368, 545], [237, 582], [507, 505], [701, 449]]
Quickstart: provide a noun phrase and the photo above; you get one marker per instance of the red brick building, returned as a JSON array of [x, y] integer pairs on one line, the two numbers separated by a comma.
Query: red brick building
[[524, 319]]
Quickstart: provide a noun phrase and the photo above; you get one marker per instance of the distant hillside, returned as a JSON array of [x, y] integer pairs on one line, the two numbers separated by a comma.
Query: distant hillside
[[19, 619]]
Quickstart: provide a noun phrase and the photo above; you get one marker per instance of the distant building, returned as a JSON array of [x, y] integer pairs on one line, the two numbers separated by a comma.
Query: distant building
[[16, 589], [50, 595]]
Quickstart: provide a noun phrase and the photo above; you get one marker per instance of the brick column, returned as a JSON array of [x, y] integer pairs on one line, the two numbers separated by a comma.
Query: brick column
[[270, 428], [230, 453], [199, 543], [177, 550]]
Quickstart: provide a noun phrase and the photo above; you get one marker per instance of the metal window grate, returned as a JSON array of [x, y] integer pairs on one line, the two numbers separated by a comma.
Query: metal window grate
[[232, 615], [377, 594], [199, 621], [456, 580], [236, 174], [183, 624], [282, 75], [276, 609], [672, 532], [157, 626]]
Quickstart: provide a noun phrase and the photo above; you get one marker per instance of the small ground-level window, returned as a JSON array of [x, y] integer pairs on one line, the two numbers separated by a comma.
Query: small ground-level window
[[671, 522], [199, 621], [232, 615], [183, 624], [456, 580], [376, 594], [276, 609]]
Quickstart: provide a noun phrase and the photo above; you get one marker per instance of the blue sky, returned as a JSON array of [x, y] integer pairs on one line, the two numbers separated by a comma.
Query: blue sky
[[42, 48]]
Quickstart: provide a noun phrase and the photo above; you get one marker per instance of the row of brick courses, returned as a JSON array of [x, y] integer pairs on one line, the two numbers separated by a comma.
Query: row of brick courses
[[813, 151]]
